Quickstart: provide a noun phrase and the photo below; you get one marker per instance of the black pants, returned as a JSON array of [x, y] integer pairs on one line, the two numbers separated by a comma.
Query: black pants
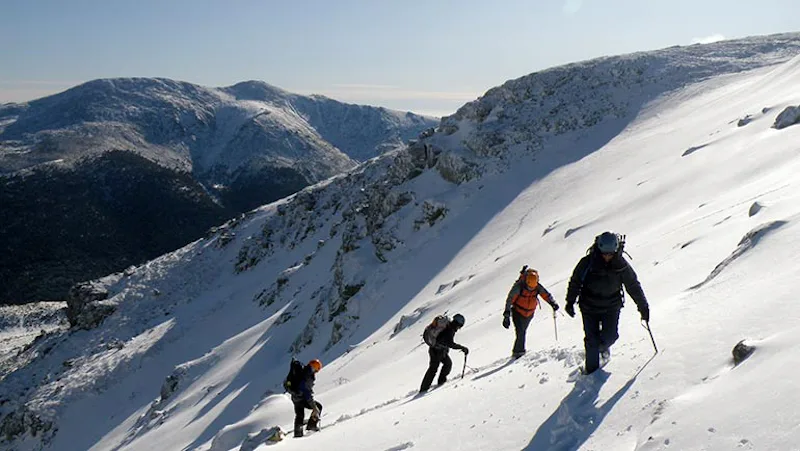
[[600, 329], [437, 356], [300, 407], [521, 328]]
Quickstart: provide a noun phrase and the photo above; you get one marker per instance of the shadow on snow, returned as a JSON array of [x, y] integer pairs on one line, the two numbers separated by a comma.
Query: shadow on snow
[[578, 415]]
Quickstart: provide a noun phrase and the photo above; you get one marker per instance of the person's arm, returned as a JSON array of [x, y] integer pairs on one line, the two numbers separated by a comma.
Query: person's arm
[[446, 339], [542, 291], [513, 293], [634, 288], [576, 281], [459, 347]]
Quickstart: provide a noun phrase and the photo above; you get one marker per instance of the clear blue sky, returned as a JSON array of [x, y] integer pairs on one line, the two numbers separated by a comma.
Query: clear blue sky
[[424, 55]]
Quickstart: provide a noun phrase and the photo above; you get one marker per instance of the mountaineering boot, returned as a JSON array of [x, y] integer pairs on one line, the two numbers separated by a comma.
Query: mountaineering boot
[[605, 356], [313, 424], [298, 431], [517, 354]]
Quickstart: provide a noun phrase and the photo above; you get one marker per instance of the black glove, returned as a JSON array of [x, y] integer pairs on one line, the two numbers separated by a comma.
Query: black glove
[[555, 306], [645, 312], [465, 350], [506, 320], [570, 309]]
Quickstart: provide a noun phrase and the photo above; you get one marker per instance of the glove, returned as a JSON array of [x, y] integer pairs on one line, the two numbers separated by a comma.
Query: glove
[[555, 306], [465, 350], [570, 309], [645, 312], [314, 410], [506, 321]]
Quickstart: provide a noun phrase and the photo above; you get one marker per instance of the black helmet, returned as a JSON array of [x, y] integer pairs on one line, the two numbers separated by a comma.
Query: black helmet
[[607, 242], [458, 320]]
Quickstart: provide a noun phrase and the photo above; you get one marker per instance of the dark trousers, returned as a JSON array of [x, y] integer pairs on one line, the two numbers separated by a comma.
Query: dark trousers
[[600, 329], [300, 413], [520, 327], [437, 356]]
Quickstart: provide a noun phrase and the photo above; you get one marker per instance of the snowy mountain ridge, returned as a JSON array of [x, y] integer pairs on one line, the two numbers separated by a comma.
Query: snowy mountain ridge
[[610, 91], [209, 131], [351, 269], [99, 153]]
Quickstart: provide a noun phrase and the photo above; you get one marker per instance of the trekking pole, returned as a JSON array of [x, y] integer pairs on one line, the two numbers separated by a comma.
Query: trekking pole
[[555, 324], [646, 325], [465, 366]]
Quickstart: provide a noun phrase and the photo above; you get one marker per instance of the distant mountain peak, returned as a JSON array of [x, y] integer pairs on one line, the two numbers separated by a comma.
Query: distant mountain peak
[[256, 90]]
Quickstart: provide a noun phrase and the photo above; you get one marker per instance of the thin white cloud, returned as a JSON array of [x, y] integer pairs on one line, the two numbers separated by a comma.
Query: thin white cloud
[[18, 95], [572, 6], [363, 86], [351, 92], [25, 90], [708, 39], [37, 83], [433, 113], [429, 103]]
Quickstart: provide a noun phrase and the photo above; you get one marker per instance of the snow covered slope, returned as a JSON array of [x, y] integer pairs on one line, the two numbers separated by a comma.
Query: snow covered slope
[[687, 164]]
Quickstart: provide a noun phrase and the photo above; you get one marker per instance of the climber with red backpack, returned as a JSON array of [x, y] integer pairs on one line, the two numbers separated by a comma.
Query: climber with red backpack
[[521, 303], [440, 335]]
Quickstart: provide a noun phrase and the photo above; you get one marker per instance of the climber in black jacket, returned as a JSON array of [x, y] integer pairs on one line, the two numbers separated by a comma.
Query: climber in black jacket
[[439, 353], [596, 284]]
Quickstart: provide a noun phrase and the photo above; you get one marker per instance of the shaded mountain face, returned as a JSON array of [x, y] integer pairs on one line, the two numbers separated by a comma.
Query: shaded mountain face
[[99, 216], [229, 150]]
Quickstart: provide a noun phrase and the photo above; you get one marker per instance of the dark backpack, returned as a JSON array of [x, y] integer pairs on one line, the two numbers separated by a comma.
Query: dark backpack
[[292, 382], [433, 329]]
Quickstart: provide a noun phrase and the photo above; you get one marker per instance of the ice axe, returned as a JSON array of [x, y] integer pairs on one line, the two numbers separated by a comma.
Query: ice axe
[[646, 325]]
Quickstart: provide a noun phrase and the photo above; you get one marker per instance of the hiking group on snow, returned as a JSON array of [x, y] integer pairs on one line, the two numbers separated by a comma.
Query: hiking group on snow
[[596, 285]]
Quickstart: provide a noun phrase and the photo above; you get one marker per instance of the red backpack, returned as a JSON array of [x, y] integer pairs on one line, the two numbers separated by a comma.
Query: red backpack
[[526, 302]]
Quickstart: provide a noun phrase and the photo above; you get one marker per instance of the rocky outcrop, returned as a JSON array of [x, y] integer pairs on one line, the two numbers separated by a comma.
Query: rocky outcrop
[[788, 117], [742, 351], [22, 422], [86, 308]]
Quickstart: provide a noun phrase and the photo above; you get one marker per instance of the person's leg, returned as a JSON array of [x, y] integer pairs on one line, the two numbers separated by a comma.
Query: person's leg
[[609, 329], [591, 341], [520, 327], [299, 415], [433, 365], [313, 420], [447, 365]]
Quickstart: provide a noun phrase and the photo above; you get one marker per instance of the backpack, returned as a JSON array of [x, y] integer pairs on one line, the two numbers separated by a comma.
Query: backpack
[[620, 249], [292, 382], [433, 329]]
